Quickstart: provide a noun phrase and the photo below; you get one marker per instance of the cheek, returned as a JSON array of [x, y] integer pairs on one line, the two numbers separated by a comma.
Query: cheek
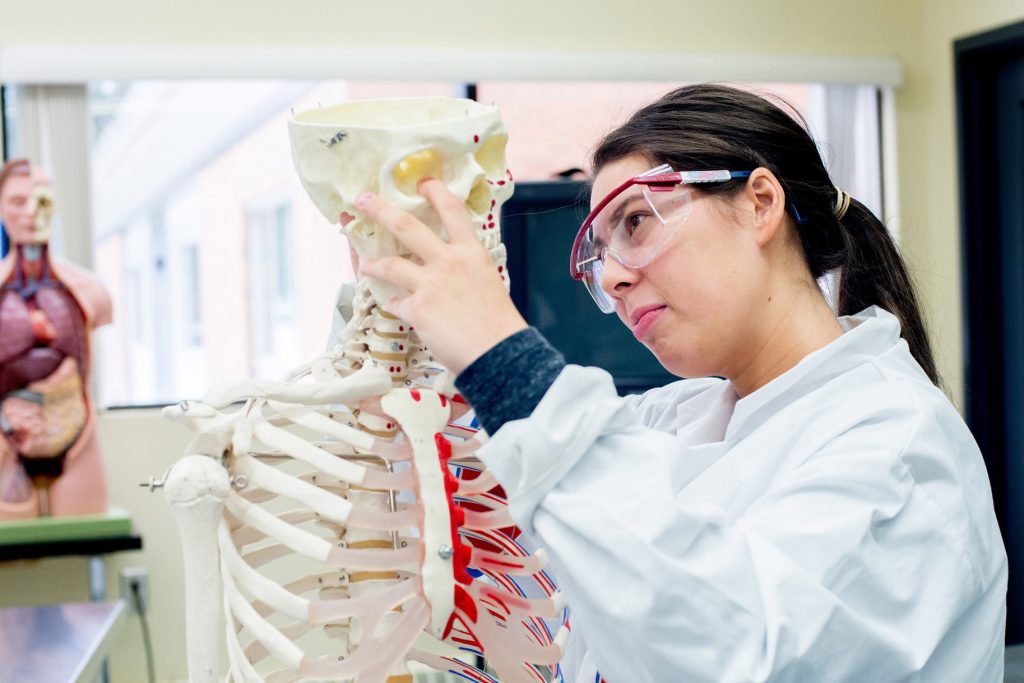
[[696, 278]]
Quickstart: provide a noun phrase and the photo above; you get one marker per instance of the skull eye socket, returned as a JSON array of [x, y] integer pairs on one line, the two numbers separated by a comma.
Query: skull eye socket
[[491, 155], [426, 163], [479, 200]]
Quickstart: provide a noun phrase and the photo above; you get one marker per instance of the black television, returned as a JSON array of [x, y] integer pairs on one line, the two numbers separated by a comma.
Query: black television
[[538, 225]]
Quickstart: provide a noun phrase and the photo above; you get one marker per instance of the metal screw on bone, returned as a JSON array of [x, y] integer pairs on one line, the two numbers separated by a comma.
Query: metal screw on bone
[[395, 346], [153, 484], [239, 481], [183, 406], [445, 552]]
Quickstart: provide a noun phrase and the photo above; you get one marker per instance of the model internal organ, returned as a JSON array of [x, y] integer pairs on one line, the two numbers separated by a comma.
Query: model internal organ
[[354, 532], [43, 369]]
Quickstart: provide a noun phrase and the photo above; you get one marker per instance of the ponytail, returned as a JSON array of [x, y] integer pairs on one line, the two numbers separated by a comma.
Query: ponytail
[[873, 273]]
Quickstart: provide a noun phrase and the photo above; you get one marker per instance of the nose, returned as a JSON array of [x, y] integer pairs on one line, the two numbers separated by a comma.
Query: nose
[[616, 278]]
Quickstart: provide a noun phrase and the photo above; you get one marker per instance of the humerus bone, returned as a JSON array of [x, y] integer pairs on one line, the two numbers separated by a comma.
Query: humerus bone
[[353, 528]]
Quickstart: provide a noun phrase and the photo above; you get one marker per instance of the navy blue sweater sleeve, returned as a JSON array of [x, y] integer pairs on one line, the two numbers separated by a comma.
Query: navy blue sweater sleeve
[[508, 381]]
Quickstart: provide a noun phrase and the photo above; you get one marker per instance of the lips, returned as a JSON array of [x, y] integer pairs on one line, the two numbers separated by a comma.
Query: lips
[[635, 316], [644, 318]]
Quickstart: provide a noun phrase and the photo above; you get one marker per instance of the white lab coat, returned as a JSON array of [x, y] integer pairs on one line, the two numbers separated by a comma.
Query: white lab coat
[[834, 525]]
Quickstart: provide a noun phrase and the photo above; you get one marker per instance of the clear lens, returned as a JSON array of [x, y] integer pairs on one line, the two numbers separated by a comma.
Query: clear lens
[[592, 281], [635, 226], [631, 229]]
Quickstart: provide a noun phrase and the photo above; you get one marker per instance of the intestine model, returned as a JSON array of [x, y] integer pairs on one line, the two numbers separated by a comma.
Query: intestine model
[[343, 510], [50, 461]]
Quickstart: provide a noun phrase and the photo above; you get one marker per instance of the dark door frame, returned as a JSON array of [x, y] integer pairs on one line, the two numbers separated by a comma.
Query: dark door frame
[[977, 60]]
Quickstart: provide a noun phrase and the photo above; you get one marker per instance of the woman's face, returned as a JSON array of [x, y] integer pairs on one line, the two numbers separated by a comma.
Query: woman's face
[[696, 304]]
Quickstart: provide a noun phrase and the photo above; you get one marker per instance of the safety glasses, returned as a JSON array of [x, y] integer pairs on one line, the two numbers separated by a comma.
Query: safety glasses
[[634, 221]]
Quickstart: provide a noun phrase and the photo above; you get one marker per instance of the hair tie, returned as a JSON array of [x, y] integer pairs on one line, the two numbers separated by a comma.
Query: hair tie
[[842, 204]]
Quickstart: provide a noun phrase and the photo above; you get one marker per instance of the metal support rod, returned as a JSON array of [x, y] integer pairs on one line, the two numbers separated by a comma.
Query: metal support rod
[[97, 579], [97, 593]]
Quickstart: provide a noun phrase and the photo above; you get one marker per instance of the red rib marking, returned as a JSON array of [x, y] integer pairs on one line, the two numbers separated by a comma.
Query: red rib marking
[[499, 563], [415, 393], [465, 603], [499, 602], [444, 447]]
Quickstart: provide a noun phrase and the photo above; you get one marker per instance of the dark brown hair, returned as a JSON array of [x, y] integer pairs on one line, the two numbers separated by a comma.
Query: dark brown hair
[[708, 126]]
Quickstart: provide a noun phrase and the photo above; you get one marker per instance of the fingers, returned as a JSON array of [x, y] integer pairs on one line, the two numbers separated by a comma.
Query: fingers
[[450, 208], [396, 270], [418, 238]]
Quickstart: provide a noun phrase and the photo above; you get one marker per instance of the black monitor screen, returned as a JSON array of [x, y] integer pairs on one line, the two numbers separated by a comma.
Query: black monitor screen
[[538, 226]]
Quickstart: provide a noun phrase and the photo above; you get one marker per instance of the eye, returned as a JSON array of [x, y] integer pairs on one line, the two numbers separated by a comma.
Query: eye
[[635, 224]]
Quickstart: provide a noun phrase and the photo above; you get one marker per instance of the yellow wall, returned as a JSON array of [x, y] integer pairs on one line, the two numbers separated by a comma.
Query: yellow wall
[[918, 32], [928, 166]]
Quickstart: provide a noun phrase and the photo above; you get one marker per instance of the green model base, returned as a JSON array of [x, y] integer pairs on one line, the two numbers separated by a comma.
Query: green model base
[[110, 524]]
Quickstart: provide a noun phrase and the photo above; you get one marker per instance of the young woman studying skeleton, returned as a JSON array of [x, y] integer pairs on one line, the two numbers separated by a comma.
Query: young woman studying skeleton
[[822, 512]]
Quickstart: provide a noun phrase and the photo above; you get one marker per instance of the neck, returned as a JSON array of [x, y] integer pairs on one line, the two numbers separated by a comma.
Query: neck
[[795, 329], [31, 258]]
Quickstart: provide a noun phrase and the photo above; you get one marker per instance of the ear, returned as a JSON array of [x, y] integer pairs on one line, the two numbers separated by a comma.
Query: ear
[[768, 200]]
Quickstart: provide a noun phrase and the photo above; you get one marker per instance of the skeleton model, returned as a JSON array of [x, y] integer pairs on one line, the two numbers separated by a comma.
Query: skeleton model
[[342, 510]]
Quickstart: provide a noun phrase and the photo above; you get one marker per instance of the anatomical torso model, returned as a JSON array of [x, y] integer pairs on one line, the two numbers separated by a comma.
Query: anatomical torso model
[[342, 510], [50, 460]]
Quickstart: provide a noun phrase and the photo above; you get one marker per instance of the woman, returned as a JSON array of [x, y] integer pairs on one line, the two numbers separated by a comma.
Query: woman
[[820, 514]]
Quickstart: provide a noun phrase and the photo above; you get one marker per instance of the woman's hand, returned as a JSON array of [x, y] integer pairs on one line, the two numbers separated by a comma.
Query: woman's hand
[[457, 302]]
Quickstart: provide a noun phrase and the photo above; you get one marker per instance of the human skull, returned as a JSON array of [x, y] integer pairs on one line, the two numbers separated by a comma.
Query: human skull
[[42, 196], [387, 147]]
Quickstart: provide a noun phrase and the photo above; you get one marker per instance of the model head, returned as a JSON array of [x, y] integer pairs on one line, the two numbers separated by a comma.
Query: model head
[[749, 237], [26, 202]]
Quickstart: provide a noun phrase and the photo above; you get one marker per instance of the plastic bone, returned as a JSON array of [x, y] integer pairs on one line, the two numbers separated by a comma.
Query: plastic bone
[[386, 147], [353, 528]]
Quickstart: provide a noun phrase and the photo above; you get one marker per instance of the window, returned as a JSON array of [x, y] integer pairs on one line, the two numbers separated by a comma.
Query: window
[[219, 266], [554, 125], [273, 333], [192, 332]]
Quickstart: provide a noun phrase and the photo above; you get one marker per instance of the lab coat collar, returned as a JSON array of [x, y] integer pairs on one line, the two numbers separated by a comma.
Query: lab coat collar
[[868, 335]]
